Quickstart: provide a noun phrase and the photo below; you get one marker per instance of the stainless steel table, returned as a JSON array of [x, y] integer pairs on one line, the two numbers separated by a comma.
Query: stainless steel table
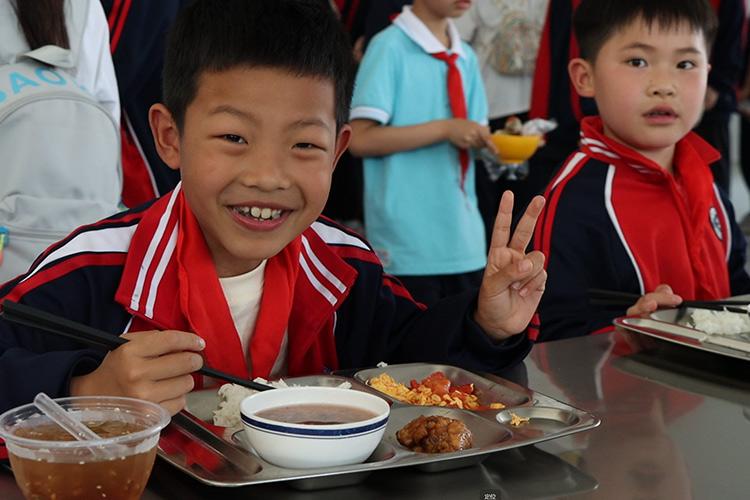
[[675, 425]]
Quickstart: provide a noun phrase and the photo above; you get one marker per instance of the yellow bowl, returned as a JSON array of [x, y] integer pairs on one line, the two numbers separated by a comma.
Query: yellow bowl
[[515, 148]]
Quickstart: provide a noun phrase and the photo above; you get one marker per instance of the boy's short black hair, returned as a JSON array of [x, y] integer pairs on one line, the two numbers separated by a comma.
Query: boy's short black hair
[[303, 37], [595, 21]]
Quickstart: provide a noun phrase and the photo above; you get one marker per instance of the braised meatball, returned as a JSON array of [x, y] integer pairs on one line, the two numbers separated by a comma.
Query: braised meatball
[[435, 435]]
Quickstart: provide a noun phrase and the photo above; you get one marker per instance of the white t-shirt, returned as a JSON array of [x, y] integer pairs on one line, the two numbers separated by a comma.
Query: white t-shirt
[[243, 294]]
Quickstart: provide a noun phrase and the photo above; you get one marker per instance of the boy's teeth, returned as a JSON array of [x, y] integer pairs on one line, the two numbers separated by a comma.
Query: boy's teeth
[[264, 213]]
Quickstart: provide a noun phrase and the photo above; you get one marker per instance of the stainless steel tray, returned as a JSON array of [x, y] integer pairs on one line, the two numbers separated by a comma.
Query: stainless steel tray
[[696, 375], [222, 457], [673, 325]]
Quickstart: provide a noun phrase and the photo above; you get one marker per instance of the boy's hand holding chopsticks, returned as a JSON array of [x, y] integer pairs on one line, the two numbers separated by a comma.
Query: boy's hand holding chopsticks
[[152, 365], [662, 296]]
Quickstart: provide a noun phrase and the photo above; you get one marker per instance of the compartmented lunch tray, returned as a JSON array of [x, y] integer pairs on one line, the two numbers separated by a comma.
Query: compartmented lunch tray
[[222, 456], [673, 325]]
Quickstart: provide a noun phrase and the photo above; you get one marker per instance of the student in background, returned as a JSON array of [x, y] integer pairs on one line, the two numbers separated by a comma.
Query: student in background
[[30, 24], [378, 16], [46, 188], [636, 208], [727, 60], [743, 108], [137, 33], [344, 203], [505, 35], [419, 108], [554, 98]]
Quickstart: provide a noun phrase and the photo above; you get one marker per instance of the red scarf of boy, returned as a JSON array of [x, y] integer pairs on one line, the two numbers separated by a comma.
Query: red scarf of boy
[[170, 281]]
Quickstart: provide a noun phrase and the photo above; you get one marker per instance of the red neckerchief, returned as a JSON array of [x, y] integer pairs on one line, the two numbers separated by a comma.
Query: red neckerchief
[[457, 102], [170, 280]]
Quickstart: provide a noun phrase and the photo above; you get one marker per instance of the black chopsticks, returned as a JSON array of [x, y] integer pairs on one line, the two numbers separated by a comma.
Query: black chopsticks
[[24, 315], [599, 297]]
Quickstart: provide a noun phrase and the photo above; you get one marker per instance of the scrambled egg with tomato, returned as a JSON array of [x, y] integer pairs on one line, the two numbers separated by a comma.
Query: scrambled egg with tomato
[[517, 421], [435, 390]]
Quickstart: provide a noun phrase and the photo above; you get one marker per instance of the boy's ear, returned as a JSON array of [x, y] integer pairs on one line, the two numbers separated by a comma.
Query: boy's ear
[[342, 142], [581, 75], [166, 135]]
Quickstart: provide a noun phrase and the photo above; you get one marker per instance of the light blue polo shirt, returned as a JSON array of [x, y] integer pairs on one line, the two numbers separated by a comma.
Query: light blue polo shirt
[[416, 216]]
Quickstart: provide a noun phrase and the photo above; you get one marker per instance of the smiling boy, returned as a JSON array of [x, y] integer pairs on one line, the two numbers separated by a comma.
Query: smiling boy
[[283, 126], [235, 268], [636, 208]]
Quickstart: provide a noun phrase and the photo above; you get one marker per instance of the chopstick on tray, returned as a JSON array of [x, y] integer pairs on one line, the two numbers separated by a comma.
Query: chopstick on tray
[[24, 315], [598, 297]]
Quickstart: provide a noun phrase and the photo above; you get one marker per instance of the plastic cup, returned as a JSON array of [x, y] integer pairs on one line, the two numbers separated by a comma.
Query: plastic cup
[[48, 463]]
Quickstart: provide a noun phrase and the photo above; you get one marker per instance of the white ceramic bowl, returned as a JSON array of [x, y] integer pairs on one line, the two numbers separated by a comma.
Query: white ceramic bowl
[[118, 467], [306, 446]]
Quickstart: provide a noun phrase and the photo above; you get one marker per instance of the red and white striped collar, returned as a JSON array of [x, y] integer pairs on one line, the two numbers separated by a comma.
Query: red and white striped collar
[[169, 280], [601, 147]]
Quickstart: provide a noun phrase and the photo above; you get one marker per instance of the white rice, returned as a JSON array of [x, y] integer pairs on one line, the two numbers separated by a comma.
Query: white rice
[[228, 413], [720, 322], [232, 395]]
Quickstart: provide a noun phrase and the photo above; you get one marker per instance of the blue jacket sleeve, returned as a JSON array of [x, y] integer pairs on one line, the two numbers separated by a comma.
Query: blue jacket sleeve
[[381, 322], [584, 252], [31, 361]]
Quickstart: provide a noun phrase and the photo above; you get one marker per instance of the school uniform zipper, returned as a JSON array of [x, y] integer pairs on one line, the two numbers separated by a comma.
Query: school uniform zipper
[[27, 234]]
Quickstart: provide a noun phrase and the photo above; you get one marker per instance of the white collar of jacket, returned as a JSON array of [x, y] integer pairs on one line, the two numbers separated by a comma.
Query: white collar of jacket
[[416, 30]]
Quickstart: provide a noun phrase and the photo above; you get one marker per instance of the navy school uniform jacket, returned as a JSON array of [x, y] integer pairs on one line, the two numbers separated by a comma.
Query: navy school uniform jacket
[[146, 269], [615, 220], [554, 97]]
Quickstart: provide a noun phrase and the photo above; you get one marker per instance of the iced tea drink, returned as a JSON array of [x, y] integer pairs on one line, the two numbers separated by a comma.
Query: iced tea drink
[[49, 463], [84, 475]]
